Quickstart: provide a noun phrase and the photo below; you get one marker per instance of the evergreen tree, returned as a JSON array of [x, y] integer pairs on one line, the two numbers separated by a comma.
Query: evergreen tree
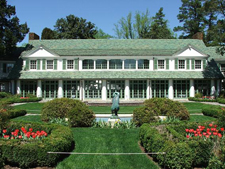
[[11, 32], [192, 16], [73, 27], [47, 33], [159, 28], [102, 35]]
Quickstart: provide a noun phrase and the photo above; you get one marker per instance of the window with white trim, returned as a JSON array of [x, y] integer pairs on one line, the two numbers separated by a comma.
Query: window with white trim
[[161, 64], [33, 64], [198, 64], [70, 64], [49, 64], [181, 64]]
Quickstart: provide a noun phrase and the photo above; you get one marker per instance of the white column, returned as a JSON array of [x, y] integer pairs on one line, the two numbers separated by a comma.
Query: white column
[[148, 89], [94, 64], [123, 64], [127, 90], [12, 87], [80, 64], [192, 88], [213, 89], [18, 91], [104, 91], [151, 64], [170, 89], [39, 90], [81, 89], [218, 87], [60, 89]]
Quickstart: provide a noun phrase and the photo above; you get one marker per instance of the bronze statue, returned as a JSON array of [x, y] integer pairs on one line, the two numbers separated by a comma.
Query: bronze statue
[[115, 103]]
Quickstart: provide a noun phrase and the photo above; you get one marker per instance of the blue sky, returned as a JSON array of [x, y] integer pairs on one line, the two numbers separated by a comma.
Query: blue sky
[[103, 13]]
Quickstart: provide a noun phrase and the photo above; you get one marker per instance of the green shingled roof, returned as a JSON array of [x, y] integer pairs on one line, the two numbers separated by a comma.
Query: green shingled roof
[[115, 47]]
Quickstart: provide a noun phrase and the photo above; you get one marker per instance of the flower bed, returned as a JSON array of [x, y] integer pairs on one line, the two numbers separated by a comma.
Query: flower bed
[[28, 143], [191, 144], [203, 99]]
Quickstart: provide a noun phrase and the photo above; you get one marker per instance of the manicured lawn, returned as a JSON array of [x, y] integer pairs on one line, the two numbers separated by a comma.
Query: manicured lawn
[[33, 118], [194, 107], [31, 108], [90, 140], [200, 118]]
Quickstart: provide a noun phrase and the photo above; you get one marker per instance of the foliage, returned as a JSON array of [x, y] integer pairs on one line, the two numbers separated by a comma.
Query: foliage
[[212, 112], [201, 99], [11, 30], [19, 99], [47, 33], [128, 28], [159, 28], [4, 94], [101, 34], [33, 153], [198, 95], [221, 100], [169, 120], [81, 116], [118, 125], [159, 107], [73, 27], [215, 163], [58, 108], [221, 118], [62, 121]]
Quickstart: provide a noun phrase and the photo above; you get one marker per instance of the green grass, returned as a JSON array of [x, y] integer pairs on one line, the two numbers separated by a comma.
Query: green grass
[[107, 109], [197, 107], [92, 140], [32, 118], [201, 118], [31, 108]]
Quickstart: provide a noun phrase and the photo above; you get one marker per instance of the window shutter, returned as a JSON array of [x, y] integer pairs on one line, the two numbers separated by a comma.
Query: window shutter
[[38, 64], [55, 64], [167, 64], [176, 63], [204, 63], [193, 64], [43, 64], [155, 64], [64, 64], [27, 65], [76, 64], [188, 64]]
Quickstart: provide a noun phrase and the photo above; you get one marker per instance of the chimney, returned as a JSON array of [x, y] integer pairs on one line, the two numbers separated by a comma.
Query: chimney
[[198, 35], [33, 36]]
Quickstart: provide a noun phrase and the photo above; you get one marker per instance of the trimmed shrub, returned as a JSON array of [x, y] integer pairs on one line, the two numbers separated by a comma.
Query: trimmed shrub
[[221, 118], [16, 113], [159, 107], [81, 116], [201, 100], [212, 112], [198, 95], [33, 153], [215, 163], [58, 108], [222, 94], [4, 94], [221, 100]]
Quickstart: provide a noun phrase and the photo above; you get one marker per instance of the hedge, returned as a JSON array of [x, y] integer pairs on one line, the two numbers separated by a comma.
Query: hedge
[[212, 112], [201, 100], [33, 153], [180, 152], [220, 100]]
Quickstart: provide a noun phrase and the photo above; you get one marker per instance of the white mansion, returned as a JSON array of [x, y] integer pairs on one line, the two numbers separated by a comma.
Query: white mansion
[[92, 69]]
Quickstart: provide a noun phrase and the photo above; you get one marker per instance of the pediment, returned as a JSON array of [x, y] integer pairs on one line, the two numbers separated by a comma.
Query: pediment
[[41, 51], [190, 51]]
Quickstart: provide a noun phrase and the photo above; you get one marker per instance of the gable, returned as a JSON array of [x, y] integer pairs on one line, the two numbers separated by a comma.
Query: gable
[[41, 51], [190, 52]]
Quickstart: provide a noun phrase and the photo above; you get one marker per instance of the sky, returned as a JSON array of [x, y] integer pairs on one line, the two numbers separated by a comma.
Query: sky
[[39, 14]]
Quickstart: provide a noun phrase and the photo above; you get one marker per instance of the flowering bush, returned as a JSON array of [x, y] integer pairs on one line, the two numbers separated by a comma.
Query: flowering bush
[[206, 134], [24, 97], [23, 134]]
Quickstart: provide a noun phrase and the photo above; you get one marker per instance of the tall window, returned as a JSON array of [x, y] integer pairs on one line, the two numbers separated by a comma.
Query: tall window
[[143, 64], [130, 64], [88, 64], [101, 64], [33, 64], [198, 64], [181, 88], [181, 64], [71, 89], [115, 86], [160, 88], [203, 86], [49, 64], [160, 64], [138, 89], [115, 64], [28, 87], [70, 64], [93, 89]]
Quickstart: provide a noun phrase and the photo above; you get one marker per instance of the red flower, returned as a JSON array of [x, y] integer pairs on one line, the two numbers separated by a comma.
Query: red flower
[[188, 136], [215, 126], [196, 135], [4, 131], [187, 130], [6, 136], [34, 136], [20, 137], [219, 135], [210, 125], [222, 129], [30, 129]]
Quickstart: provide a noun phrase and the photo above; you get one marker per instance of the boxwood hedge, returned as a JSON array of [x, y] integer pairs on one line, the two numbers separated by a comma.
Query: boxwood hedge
[[33, 153]]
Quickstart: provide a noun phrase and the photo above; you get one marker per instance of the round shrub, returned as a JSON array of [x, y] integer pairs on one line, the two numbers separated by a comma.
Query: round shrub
[[198, 95], [81, 116], [58, 108], [159, 107]]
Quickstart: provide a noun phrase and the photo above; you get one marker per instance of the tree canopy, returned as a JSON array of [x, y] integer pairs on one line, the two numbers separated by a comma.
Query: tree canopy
[[47, 33], [73, 27], [11, 31]]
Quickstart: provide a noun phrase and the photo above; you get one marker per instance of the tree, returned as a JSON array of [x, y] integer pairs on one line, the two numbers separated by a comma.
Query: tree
[[129, 28], [47, 33], [73, 27], [159, 28], [193, 16], [11, 31], [102, 35]]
